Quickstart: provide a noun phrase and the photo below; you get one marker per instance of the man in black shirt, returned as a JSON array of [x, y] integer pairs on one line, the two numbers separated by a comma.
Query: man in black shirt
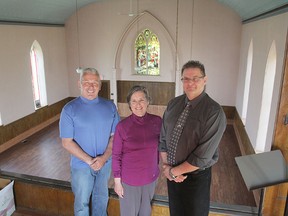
[[187, 162]]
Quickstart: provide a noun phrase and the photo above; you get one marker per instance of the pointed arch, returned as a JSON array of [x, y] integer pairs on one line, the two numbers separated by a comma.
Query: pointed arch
[[270, 72], [141, 22], [136, 22], [38, 76]]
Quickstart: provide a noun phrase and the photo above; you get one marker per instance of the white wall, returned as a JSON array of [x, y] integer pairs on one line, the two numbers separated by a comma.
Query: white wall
[[208, 32], [16, 97], [263, 32]]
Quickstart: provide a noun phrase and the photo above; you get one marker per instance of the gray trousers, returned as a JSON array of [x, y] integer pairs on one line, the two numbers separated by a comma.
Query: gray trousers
[[137, 200]]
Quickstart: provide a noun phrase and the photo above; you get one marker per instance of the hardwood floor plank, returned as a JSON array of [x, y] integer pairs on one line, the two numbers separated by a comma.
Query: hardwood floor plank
[[42, 155]]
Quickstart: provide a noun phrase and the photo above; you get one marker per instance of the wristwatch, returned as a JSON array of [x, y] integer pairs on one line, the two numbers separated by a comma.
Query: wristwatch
[[171, 174]]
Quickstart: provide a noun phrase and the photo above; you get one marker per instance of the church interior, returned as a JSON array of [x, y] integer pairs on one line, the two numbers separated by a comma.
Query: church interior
[[243, 46]]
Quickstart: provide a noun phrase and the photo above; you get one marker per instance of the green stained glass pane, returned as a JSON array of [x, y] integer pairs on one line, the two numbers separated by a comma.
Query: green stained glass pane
[[147, 33]]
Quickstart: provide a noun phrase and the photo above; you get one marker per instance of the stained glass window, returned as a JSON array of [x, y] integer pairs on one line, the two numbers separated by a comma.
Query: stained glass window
[[147, 53]]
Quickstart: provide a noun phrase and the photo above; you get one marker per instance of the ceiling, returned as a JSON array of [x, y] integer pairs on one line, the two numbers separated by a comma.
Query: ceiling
[[55, 12]]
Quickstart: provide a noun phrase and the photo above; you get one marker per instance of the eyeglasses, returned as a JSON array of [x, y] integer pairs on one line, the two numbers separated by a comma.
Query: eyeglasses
[[88, 83], [193, 79]]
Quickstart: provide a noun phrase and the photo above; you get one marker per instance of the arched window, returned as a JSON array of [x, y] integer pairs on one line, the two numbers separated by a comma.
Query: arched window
[[247, 82], [147, 53], [38, 76], [268, 87]]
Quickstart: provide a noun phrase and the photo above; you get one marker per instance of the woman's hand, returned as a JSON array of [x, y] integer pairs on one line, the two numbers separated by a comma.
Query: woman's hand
[[118, 188]]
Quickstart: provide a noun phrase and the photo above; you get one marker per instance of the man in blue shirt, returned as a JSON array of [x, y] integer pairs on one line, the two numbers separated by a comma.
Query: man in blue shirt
[[87, 126]]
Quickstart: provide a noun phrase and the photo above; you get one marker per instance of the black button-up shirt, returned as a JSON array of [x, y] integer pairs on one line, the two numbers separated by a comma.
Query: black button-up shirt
[[201, 135]]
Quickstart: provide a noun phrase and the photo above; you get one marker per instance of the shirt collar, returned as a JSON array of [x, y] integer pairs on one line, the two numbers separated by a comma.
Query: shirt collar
[[193, 103], [138, 119], [87, 101]]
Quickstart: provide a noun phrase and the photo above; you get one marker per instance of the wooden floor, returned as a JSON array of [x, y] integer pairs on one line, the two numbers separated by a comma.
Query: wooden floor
[[42, 155]]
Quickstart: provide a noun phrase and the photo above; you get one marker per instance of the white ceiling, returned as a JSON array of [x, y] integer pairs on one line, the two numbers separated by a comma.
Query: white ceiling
[[56, 12]]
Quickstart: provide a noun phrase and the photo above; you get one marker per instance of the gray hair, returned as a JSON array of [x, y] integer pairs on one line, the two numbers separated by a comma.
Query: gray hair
[[90, 71]]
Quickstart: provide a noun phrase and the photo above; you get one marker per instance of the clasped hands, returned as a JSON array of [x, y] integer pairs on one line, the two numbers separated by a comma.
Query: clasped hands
[[97, 163], [166, 171]]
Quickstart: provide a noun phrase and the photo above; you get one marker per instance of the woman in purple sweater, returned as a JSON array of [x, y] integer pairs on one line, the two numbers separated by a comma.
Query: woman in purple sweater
[[135, 155]]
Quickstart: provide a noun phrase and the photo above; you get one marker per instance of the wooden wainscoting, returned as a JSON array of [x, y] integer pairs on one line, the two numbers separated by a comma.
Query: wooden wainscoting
[[105, 89], [14, 132], [48, 200], [160, 92], [34, 199]]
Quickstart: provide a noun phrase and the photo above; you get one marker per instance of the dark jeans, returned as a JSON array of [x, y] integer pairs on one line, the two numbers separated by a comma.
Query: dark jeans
[[192, 196]]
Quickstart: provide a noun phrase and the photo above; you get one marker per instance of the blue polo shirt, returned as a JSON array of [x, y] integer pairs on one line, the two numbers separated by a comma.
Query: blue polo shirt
[[90, 123]]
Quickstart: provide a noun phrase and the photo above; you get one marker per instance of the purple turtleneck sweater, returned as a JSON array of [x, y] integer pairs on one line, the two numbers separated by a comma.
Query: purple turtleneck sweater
[[135, 155]]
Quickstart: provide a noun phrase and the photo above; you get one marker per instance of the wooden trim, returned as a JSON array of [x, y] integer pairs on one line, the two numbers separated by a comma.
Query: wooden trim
[[246, 146], [27, 133], [160, 92], [44, 199], [10, 131]]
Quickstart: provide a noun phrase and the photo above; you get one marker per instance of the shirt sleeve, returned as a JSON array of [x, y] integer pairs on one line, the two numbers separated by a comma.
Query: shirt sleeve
[[66, 127], [115, 121], [205, 155], [117, 152], [162, 140]]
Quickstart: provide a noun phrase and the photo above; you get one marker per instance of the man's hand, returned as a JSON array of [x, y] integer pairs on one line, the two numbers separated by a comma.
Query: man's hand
[[166, 172], [97, 163]]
